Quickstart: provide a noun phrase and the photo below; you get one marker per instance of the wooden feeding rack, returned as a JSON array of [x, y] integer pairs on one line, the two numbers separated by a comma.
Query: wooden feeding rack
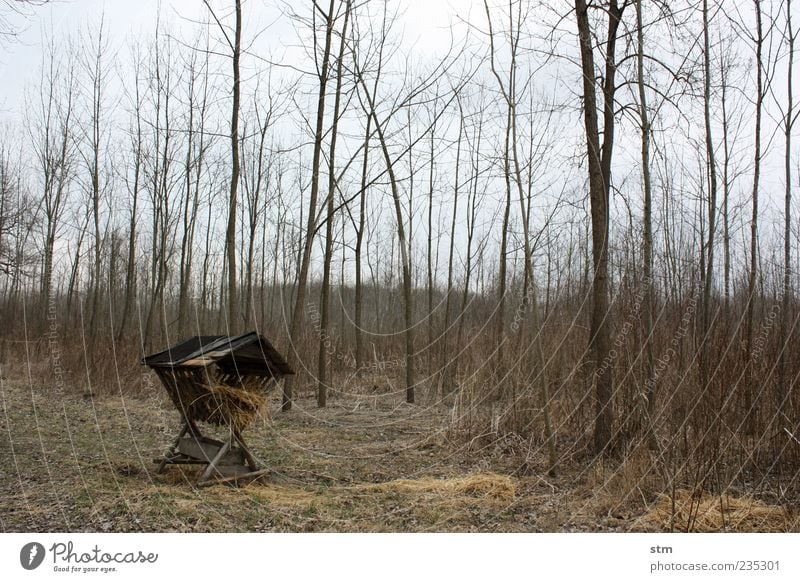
[[223, 381]]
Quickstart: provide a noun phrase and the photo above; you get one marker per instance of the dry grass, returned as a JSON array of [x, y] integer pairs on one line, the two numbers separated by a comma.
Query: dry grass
[[624, 489], [425, 504], [486, 485], [352, 467], [270, 493], [716, 513], [471, 488]]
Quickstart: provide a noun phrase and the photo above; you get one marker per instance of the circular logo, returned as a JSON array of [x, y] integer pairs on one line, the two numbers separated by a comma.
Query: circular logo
[[31, 555]]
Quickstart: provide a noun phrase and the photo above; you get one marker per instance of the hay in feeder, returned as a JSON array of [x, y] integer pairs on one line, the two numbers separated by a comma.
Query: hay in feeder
[[715, 513], [237, 407], [215, 398]]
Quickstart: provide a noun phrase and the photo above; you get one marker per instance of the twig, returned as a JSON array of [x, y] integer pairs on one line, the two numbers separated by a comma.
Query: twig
[[791, 436]]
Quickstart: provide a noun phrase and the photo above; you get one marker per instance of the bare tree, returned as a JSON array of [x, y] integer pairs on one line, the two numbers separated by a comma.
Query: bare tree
[[789, 119], [510, 100], [707, 273], [95, 130], [405, 249], [133, 184], [647, 246], [599, 166], [51, 133], [359, 246], [197, 101], [230, 234], [299, 302], [160, 186], [324, 324], [446, 363], [16, 215], [257, 174], [13, 15], [758, 40]]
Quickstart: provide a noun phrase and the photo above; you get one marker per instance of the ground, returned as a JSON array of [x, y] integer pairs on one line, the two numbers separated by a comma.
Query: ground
[[366, 463]]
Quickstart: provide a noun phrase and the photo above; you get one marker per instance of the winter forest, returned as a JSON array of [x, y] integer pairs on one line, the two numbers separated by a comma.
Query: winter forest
[[532, 253]]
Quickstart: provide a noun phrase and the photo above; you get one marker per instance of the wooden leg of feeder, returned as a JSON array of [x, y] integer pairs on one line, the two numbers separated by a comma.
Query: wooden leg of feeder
[[251, 462], [212, 465], [193, 430], [172, 449]]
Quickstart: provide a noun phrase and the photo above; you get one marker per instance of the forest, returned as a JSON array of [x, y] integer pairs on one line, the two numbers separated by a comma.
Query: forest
[[532, 261]]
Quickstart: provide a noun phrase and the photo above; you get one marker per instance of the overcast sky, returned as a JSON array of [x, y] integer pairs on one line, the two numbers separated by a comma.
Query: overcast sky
[[425, 24]]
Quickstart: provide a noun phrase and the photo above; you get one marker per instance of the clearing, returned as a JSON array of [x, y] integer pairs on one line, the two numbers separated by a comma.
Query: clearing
[[364, 464]]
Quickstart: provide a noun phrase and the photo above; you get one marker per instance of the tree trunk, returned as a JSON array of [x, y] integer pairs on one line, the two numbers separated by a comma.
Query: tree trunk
[[711, 168], [751, 279], [599, 162], [324, 331], [787, 225], [405, 254], [297, 312], [230, 236], [647, 246]]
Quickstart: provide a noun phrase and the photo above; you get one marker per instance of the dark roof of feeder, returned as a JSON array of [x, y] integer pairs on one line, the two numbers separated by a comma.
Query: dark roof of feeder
[[247, 353]]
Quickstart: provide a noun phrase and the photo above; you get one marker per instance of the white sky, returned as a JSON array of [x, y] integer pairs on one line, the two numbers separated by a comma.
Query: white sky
[[425, 23]]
